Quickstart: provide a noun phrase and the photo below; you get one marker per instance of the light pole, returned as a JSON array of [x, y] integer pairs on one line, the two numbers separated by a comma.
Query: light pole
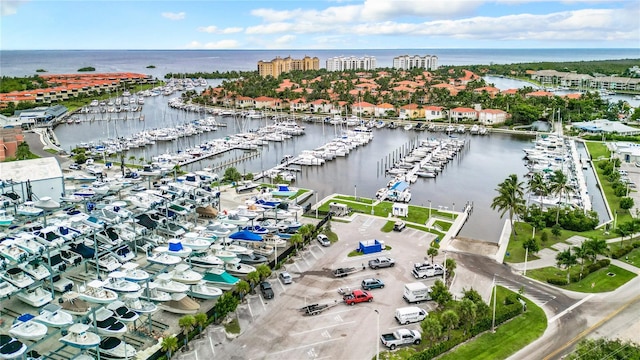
[[377, 334], [429, 210], [493, 320], [355, 192], [444, 269]]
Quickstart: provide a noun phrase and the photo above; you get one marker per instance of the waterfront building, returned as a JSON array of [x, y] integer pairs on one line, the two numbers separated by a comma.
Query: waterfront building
[[492, 116], [433, 113], [462, 114], [280, 65], [341, 63], [407, 62], [321, 106], [35, 177], [383, 109], [411, 111], [363, 108], [299, 105], [573, 79], [603, 126]]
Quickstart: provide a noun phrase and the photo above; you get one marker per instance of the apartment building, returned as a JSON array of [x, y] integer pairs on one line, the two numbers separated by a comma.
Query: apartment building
[[341, 63], [407, 62], [280, 65]]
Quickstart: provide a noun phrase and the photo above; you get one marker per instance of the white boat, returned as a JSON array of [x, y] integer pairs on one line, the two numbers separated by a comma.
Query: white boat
[[109, 263], [52, 315], [233, 218], [122, 312], [35, 296], [108, 324], [11, 251], [132, 273], [28, 209], [35, 269], [221, 229], [180, 303], [79, 337], [291, 224], [5, 219], [11, 348], [274, 240], [133, 302], [218, 277], [273, 226], [194, 242], [182, 273], [165, 283], [175, 248], [219, 251], [237, 268], [152, 293], [28, 243], [163, 259], [94, 292], [116, 281], [114, 348], [202, 290], [237, 249], [6, 288], [17, 277], [24, 328], [277, 214], [205, 260], [71, 303]]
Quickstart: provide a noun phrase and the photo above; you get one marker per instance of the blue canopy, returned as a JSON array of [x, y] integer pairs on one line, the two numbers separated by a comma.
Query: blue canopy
[[245, 235]]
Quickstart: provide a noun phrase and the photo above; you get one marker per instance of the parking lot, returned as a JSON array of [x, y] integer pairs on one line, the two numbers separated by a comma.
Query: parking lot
[[277, 329]]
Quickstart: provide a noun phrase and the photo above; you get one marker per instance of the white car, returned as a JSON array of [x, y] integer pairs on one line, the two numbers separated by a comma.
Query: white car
[[323, 240], [285, 277]]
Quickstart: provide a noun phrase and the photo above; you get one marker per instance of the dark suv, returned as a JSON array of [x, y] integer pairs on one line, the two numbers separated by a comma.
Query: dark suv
[[266, 290], [368, 284]]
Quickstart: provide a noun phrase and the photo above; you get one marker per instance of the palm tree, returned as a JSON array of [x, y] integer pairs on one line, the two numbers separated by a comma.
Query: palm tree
[[264, 271], [582, 252], [509, 199], [242, 288], [596, 247], [432, 252], [201, 321], [559, 186], [432, 328], [253, 278], [538, 186], [467, 309], [186, 323], [449, 320], [567, 259], [295, 239], [169, 345]]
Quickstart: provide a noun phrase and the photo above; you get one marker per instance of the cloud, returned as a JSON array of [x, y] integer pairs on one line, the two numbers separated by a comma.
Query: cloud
[[10, 7], [174, 16], [273, 28], [284, 40], [222, 44], [212, 29]]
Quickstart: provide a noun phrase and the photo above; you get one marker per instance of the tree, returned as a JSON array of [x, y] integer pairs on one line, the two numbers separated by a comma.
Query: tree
[[581, 252], [232, 174], [248, 176], [559, 186], [567, 259], [186, 323], [603, 348], [450, 265], [596, 247], [305, 231], [253, 278], [242, 288], [509, 199], [226, 303], [169, 345], [449, 319], [626, 203], [432, 328], [264, 271], [432, 252], [467, 309], [531, 245], [538, 186], [440, 294], [23, 152], [201, 321], [556, 230], [295, 239]]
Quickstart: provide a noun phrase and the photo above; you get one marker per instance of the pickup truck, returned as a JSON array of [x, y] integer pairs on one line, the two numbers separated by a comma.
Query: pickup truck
[[381, 262], [401, 337], [357, 296], [427, 270]]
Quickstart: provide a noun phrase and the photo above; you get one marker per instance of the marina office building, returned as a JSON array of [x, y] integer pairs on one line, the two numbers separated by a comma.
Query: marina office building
[[407, 62]]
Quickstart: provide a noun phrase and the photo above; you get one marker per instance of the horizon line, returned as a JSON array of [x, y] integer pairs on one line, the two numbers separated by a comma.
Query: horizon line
[[339, 49]]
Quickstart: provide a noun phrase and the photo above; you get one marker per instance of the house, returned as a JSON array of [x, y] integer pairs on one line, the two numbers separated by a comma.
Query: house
[[433, 113], [492, 116], [299, 105], [462, 114], [383, 109], [363, 108], [539, 93], [320, 106], [264, 102], [492, 91], [411, 111], [244, 102]]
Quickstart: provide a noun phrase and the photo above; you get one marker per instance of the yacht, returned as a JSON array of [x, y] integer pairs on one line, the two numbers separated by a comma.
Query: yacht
[[24, 328], [54, 316], [35, 296], [79, 337]]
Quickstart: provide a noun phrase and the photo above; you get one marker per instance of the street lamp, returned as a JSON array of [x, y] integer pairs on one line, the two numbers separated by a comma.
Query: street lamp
[[429, 209], [377, 334], [493, 320]]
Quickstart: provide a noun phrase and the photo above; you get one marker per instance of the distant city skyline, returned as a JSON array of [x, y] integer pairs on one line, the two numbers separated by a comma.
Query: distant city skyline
[[332, 24]]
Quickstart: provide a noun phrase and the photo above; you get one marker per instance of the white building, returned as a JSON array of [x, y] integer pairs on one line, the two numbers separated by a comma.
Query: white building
[[406, 62], [340, 63], [43, 177]]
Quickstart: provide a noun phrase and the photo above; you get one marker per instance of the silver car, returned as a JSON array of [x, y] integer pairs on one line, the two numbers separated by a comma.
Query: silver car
[[285, 277], [323, 240]]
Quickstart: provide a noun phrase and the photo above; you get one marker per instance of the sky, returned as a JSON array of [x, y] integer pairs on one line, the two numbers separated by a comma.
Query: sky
[[308, 24]]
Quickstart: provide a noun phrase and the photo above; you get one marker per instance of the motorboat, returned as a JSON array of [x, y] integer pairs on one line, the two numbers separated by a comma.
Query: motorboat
[[236, 268], [54, 316], [11, 348], [70, 258], [152, 293], [274, 240], [221, 229], [34, 355], [165, 283], [61, 284], [277, 214], [114, 348], [175, 248], [79, 337], [24, 328], [163, 258], [71, 303], [108, 263], [237, 249], [94, 292], [180, 303], [133, 302], [273, 226], [116, 281], [132, 273], [182, 273], [233, 218], [205, 260], [11, 251], [49, 236], [27, 242], [261, 248], [35, 269], [122, 312], [194, 242], [83, 250], [292, 225], [202, 290], [17, 277], [218, 277], [35, 296], [28, 209], [6, 288], [252, 259], [284, 190], [5, 219], [256, 229], [124, 254], [107, 324], [225, 255]]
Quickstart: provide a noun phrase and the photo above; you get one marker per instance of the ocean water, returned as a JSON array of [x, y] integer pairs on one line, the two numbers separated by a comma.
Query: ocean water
[[26, 62]]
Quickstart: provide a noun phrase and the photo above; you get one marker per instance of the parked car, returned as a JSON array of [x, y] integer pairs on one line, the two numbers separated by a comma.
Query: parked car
[[427, 270], [323, 240], [357, 296], [381, 262], [266, 290], [285, 277], [368, 284], [75, 166], [401, 337], [399, 226]]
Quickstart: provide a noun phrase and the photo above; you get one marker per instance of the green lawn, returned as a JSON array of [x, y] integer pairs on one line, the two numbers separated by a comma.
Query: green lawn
[[632, 258], [443, 225], [598, 150], [595, 282], [508, 338]]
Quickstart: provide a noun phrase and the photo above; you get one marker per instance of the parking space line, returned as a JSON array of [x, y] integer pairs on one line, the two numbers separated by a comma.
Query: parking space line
[[211, 344], [322, 328], [250, 311], [305, 346], [263, 305], [281, 284]]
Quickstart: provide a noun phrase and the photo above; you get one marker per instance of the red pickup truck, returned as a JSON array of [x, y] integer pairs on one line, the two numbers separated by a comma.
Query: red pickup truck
[[357, 296]]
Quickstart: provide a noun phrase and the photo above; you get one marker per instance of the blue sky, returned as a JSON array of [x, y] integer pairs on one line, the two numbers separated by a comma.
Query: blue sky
[[302, 24]]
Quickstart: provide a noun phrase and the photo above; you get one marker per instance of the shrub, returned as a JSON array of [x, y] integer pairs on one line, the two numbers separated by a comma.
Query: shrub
[[597, 266], [511, 299], [557, 281], [620, 252], [544, 236]]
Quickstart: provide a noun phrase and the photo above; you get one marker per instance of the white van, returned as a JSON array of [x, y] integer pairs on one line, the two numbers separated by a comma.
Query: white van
[[410, 314]]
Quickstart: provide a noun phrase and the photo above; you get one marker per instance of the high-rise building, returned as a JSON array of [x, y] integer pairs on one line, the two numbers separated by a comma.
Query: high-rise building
[[279, 65], [340, 63], [406, 62]]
